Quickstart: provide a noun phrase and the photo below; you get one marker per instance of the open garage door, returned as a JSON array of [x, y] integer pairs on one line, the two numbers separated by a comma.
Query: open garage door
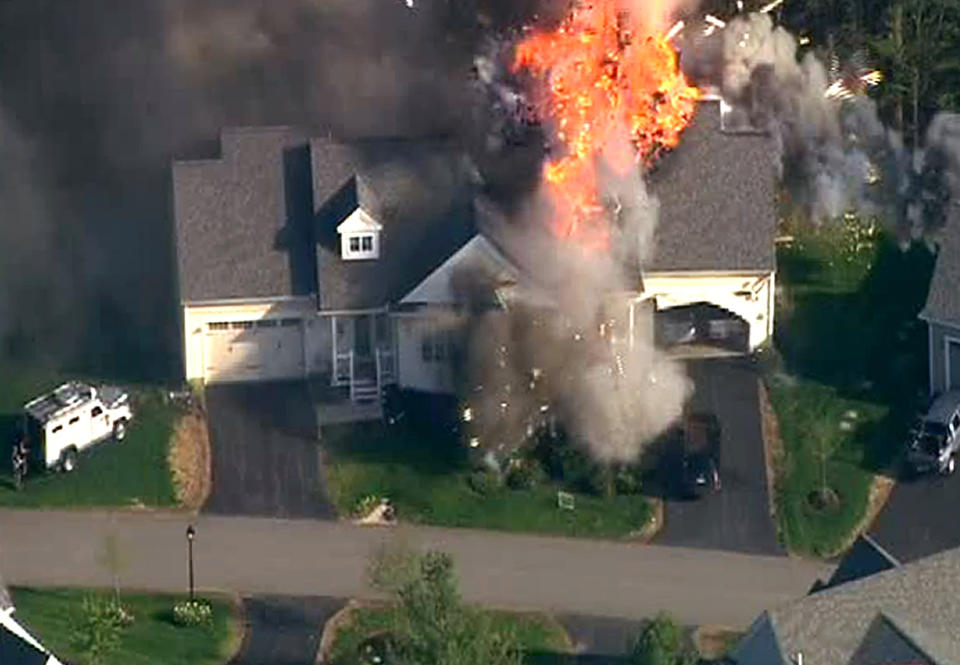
[[259, 350], [702, 327]]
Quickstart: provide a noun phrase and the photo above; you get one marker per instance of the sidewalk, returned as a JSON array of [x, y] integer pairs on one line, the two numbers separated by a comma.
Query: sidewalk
[[306, 557]]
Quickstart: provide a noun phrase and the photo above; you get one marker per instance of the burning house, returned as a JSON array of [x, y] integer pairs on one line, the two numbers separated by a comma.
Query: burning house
[[378, 262], [306, 257]]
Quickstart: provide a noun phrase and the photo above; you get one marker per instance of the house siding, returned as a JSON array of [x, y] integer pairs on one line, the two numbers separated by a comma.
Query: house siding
[[939, 335], [416, 373]]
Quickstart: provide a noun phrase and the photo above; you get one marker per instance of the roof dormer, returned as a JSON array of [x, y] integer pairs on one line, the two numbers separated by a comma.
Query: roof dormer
[[359, 236]]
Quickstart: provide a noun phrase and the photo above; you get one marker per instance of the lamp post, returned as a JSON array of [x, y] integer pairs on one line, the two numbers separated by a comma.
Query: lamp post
[[191, 533]]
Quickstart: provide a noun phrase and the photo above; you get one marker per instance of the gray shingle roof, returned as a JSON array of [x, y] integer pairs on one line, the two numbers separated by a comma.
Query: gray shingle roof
[[943, 299], [243, 221], [920, 601], [717, 199], [419, 190]]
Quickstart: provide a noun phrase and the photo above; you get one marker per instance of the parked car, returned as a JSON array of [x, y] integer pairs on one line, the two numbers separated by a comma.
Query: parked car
[[74, 416], [701, 448], [935, 439]]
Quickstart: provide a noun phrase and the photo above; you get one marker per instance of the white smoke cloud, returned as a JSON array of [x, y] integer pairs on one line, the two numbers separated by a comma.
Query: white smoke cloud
[[835, 155]]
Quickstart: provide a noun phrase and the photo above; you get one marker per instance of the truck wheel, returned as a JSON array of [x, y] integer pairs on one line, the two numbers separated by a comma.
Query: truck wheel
[[120, 430], [68, 460]]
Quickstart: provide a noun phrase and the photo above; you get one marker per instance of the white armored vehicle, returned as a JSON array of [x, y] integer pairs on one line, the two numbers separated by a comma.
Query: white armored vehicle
[[58, 425]]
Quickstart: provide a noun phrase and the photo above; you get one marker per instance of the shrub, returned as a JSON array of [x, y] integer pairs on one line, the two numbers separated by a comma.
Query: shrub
[[484, 483], [662, 642], [629, 479], [192, 613], [97, 633], [524, 475]]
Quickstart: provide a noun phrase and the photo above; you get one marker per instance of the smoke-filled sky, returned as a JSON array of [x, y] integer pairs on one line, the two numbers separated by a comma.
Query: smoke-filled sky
[[96, 97]]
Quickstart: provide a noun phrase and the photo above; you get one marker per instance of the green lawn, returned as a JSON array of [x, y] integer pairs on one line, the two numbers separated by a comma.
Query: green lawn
[[848, 342], [152, 639], [134, 472], [543, 639], [426, 477]]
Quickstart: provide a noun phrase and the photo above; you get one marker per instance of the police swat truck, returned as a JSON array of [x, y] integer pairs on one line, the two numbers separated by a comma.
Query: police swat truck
[[58, 425]]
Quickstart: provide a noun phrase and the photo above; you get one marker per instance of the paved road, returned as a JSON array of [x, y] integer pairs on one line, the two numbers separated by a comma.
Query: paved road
[[265, 456], [308, 557], [920, 517], [284, 630], [738, 518]]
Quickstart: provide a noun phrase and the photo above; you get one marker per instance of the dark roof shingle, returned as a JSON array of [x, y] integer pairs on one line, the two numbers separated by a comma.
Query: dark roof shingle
[[419, 190], [243, 221], [717, 199], [943, 299]]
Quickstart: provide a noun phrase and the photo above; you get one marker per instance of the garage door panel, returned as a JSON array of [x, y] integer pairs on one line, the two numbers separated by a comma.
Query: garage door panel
[[254, 352]]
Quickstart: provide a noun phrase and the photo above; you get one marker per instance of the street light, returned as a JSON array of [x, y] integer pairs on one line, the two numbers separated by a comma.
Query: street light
[[191, 533]]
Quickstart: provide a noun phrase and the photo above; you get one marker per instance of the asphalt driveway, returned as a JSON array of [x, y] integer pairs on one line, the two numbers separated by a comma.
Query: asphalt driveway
[[265, 452], [738, 517], [284, 630], [920, 517]]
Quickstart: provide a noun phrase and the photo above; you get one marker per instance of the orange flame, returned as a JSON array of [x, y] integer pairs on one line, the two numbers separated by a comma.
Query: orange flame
[[610, 73]]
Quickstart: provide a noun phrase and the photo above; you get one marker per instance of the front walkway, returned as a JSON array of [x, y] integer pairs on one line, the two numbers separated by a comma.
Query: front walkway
[[308, 557]]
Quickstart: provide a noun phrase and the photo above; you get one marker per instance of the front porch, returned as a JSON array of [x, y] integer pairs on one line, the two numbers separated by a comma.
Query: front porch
[[362, 362]]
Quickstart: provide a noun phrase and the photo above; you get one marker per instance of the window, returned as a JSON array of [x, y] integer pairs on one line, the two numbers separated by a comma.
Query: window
[[219, 325], [74, 420], [436, 347], [57, 428], [360, 245], [288, 323], [242, 325], [267, 323], [97, 411]]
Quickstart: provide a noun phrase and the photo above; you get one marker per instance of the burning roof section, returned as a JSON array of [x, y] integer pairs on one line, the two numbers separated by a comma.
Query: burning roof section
[[717, 193]]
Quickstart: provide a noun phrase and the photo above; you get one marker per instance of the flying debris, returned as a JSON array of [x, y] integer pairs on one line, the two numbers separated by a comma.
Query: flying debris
[[408, 3], [713, 23], [672, 32], [851, 80], [769, 7], [739, 5]]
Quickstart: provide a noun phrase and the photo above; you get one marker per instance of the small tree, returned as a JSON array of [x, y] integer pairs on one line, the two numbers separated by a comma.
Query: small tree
[[111, 557], [432, 624], [97, 632], [662, 642]]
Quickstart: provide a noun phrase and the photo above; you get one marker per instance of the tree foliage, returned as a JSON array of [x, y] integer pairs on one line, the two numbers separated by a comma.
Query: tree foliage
[[432, 624]]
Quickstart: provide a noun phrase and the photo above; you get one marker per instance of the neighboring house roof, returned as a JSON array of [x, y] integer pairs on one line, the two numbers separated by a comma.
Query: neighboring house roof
[[18, 647], [717, 195], [243, 221], [863, 559], [911, 610], [943, 298], [420, 191]]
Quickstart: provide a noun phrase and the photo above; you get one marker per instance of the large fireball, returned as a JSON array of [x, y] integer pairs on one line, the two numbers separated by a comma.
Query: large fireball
[[611, 73]]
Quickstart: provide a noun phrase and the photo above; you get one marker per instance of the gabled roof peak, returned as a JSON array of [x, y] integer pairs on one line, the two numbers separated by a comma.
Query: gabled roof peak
[[359, 221]]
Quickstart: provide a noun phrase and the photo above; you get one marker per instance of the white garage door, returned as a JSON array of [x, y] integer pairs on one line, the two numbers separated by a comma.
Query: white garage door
[[253, 350]]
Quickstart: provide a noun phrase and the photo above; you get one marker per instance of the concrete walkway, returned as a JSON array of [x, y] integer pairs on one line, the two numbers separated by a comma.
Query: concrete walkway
[[306, 557]]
